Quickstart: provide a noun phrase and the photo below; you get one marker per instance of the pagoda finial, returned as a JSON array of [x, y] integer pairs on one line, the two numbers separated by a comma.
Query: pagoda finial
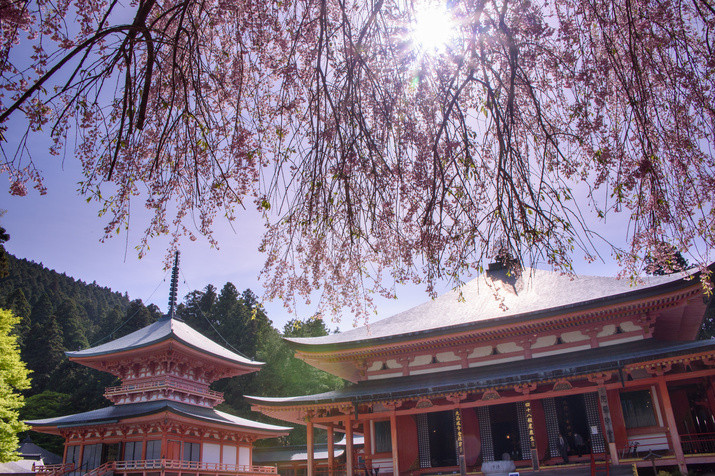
[[174, 285]]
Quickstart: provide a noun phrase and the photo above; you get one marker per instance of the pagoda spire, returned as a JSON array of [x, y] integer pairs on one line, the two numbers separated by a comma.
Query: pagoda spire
[[173, 290]]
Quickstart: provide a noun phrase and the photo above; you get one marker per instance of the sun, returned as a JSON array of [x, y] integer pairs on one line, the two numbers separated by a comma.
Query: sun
[[433, 28]]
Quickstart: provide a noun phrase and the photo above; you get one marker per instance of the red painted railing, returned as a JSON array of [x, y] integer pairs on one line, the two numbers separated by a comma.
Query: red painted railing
[[698, 443], [157, 464], [166, 382], [126, 466], [640, 445], [52, 469]]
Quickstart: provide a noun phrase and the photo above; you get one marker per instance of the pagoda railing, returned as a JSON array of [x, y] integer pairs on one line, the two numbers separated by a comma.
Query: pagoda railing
[[158, 384]]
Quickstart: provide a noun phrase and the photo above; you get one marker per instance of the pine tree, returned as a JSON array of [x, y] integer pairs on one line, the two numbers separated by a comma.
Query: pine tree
[[42, 310], [44, 352], [73, 334], [19, 306], [13, 379]]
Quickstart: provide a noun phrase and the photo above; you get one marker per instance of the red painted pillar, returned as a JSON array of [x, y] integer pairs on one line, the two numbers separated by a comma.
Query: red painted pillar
[[672, 425], [349, 447], [331, 450], [395, 455], [311, 447]]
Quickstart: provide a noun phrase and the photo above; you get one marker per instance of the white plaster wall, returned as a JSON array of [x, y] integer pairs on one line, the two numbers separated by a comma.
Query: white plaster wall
[[229, 454], [421, 360], [431, 370], [496, 361], [381, 376], [562, 351], [508, 347], [210, 453], [628, 326], [545, 341], [621, 341], [392, 364], [375, 366], [244, 456], [447, 357], [574, 336], [608, 330], [480, 352]]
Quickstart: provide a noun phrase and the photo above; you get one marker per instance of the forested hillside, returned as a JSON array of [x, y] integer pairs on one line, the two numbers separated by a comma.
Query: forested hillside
[[59, 313]]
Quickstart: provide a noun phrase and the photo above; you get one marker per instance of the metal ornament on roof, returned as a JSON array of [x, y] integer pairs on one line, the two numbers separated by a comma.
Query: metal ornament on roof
[[173, 290]]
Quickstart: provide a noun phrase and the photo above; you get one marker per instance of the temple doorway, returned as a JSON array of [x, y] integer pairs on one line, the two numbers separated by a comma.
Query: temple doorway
[[573, 420], [505, 431], [443, 450], [437, 439]]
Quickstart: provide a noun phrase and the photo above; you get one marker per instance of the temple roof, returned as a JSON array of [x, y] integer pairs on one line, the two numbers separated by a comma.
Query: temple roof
[[570, 364], [160, 331], [114, 414], [498, 297], [286, 454]]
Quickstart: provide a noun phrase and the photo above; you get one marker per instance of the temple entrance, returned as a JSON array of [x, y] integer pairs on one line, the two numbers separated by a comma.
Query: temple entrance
[[443, 451], [505, 431], [436, 436], [572, 421]]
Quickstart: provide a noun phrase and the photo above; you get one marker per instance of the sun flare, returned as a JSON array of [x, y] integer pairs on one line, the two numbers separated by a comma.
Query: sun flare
[[434, 27]]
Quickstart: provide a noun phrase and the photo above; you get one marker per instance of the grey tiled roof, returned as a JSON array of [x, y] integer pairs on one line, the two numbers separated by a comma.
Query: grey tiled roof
[[159, 331], [286, 454], [118, 412], [493, 296], [511, 373]]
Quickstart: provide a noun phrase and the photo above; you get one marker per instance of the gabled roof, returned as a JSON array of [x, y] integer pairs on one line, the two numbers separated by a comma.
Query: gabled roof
[[116, 413], [570, 364], [496, 297], [162, 330]]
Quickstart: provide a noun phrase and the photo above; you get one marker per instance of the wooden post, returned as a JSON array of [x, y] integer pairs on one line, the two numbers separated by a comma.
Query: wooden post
[[331, 450], [349, 470], [607, 423], [395, 454], [532, 438], [460, 441], [672, 426], [311, 446]]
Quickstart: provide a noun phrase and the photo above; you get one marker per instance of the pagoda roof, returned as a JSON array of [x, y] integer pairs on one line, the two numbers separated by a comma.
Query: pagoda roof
[[289, 454], [558, 366], [116, 413], [496, 298], [162, 330]]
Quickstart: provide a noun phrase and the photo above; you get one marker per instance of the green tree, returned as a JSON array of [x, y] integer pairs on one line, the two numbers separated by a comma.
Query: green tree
[[284, 375], [47, 404], [19, 306], [312, 327], [4, 264], [70, 323], [44, 352], [13, 379]]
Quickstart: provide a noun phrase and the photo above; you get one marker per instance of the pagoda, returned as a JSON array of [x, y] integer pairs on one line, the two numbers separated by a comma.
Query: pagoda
[[163, 418], [553, 372]]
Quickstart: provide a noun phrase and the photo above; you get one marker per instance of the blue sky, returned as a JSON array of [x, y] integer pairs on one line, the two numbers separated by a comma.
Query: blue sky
[[63, 231]]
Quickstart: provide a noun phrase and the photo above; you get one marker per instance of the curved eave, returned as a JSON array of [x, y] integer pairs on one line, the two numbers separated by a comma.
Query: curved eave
[[113, 415], [94, 360], [475, 379], [615, 300]]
